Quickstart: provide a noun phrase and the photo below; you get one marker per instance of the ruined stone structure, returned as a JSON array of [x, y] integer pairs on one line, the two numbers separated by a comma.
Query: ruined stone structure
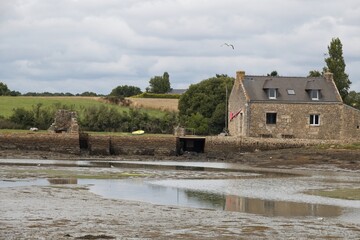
[[65, 122], [290, 107]]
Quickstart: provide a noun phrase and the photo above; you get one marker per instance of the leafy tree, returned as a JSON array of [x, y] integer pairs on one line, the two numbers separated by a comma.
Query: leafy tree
[[273, 74], [314, 73], [160, 84], [125, 91], [4, 90], [204, 104], [23, 117], [336, 65], [353, 99], [199, 123]]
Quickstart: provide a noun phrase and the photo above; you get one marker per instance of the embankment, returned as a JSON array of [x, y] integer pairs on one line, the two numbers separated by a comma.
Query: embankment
[[146, 145]]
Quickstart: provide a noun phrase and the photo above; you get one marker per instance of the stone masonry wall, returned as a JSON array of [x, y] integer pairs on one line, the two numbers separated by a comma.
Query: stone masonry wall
[[99, 145], [143, 145], [293, 120], [350, 123], [237, 101], [215, 146], [132, 145], [63, 143], [218, 144]]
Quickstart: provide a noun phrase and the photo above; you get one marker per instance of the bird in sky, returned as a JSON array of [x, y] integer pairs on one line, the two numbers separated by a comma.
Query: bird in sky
[[229, 45]]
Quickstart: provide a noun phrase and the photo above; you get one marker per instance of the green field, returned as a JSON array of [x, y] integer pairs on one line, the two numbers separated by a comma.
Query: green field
[[7, 104]]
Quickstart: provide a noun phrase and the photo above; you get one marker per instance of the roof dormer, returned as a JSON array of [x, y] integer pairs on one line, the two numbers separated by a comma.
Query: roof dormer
[[314, 90], [271, 89]]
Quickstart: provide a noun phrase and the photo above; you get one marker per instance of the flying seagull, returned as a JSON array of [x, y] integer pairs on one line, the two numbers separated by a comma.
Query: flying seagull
[[229, 45]]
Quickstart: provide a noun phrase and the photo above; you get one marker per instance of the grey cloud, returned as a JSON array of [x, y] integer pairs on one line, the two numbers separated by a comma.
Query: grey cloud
[[97, 45]]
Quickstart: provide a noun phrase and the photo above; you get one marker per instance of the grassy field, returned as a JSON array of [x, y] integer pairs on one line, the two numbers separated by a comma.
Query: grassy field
[[7, 104]]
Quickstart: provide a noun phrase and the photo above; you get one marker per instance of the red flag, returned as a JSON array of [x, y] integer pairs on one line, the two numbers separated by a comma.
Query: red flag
[[232, 115]]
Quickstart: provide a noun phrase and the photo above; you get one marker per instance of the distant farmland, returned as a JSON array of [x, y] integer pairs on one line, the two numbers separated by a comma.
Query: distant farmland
[[162, 104], [7, 104]]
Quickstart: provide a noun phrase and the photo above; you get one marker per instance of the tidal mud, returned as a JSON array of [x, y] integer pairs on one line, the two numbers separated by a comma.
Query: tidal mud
[[60, 209]]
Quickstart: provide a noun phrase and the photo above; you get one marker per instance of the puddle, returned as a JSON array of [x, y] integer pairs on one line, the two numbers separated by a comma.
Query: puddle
[[45, 162], [144, 191]]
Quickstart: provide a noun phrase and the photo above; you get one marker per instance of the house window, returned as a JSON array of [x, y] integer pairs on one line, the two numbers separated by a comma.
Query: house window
[[314, 119], [272, 93], [314, 94], [291, 91], [270, 118]]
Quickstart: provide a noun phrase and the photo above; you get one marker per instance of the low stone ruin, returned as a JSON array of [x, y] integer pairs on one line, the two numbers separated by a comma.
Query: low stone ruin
[[65, 122]]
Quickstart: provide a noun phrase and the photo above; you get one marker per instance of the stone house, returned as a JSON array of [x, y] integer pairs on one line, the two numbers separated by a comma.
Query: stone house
[[290, 107]]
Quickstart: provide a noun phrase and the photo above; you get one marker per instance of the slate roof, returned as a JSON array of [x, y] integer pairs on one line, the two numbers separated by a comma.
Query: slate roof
[[177, 91], [256, 86]]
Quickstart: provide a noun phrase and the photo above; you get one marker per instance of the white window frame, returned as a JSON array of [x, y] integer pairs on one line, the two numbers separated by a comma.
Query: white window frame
[[314, 120], [272, 93], [290, 91], [314, 94]]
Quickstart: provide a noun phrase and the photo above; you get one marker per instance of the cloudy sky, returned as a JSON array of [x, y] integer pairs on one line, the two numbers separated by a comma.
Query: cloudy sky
[[95, 45]]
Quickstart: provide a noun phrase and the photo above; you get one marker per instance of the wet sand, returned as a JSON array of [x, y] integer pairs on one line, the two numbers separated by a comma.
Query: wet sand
[[73, 212]]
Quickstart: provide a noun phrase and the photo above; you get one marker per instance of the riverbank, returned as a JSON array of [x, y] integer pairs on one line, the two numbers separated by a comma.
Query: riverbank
[[309, 157]]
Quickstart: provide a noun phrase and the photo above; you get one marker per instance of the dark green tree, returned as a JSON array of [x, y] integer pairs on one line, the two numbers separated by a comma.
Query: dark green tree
[[273, 74], [353, 99], [204, 104], [160, 84], [314, 73], [336, 65], [4, 90], [198, 123], [23, 117], [87, 94], [125, 91]]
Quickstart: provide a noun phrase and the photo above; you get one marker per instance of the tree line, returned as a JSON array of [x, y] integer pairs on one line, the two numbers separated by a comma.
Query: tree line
[[158, 85]]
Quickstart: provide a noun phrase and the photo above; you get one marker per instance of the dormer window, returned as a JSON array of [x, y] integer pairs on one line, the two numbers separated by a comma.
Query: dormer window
[[272, 93], [290, 91], [315, 94]]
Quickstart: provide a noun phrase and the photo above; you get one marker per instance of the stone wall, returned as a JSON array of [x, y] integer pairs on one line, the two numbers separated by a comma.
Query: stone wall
[[350, 123], [293, 120], [215, 146], [229, 144], [99, 145], [132, 145], [143, 145], [62, 143], [237, 100]]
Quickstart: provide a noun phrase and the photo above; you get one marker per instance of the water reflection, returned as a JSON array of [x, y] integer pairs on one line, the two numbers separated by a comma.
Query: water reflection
[[62, 180], [140, 190], [279, 208], [147, 192]]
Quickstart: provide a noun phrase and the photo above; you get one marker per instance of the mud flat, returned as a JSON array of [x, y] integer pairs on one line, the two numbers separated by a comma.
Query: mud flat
[[64, 210], [72, 213]]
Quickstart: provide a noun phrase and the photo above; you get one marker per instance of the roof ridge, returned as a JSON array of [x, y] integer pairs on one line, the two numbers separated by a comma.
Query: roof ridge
[[263, 76]]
